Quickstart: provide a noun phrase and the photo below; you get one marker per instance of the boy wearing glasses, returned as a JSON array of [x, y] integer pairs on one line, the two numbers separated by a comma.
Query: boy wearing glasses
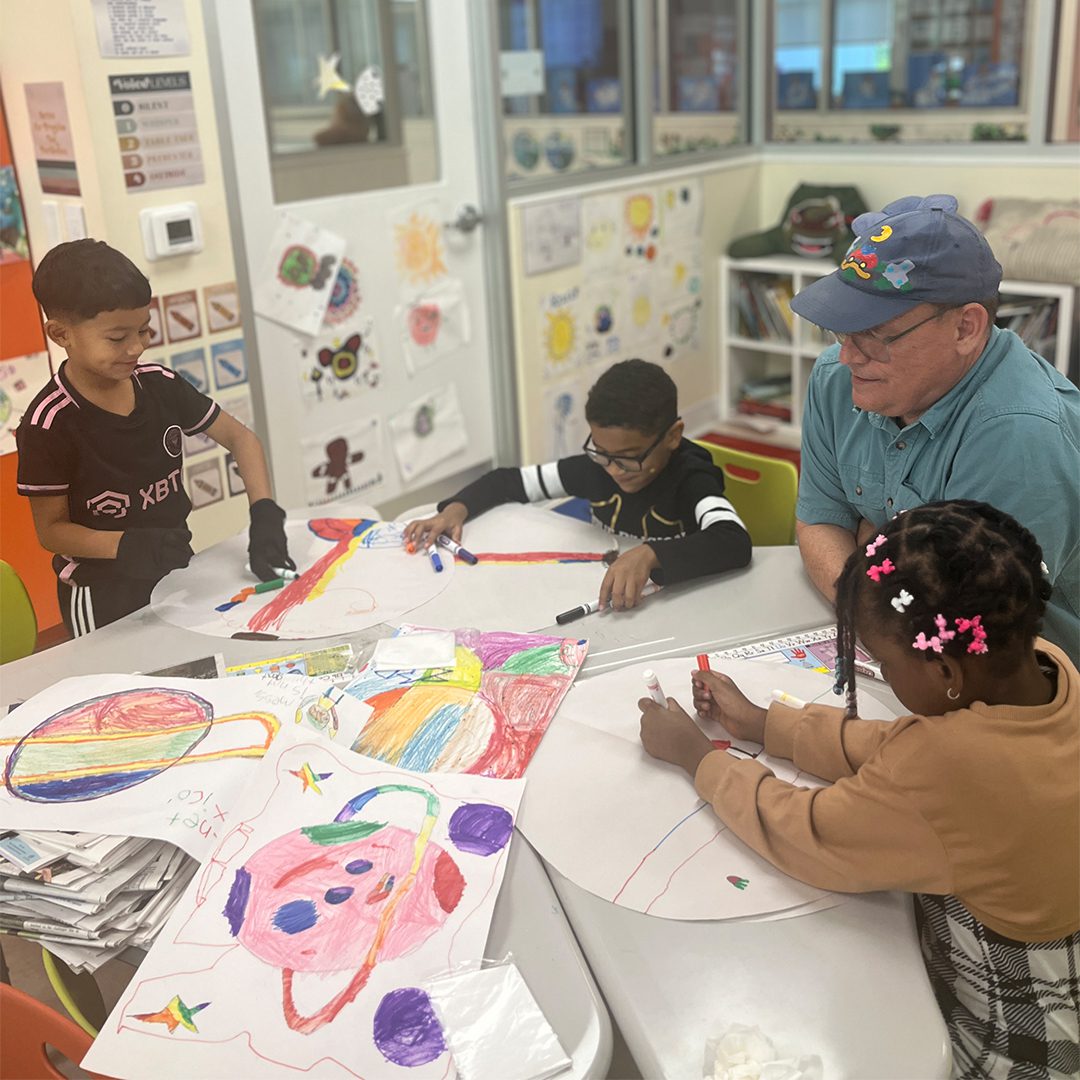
[[642, 480], [922, 398]]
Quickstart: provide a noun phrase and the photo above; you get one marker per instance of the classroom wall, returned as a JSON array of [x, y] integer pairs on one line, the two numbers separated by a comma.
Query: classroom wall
[[56, 41], [731, 205]]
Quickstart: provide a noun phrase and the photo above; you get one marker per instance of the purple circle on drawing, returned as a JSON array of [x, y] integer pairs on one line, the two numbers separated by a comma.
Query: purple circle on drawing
[[406, 1030], [481, 829]]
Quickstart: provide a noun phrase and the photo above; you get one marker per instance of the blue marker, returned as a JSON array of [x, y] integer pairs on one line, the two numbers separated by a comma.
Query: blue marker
[[433, 555], [456, 549]]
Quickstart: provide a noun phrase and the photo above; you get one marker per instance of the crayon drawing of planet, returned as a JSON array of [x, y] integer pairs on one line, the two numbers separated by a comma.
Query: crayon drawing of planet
[[117, 741], [355, 892]]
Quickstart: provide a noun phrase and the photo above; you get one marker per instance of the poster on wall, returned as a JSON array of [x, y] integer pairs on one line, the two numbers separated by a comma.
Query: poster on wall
[[222, 304], [419, 251], [561, 337], [340, 363], [157, 331], [344, 463], [181, 316], [228, 363], [427, 432], [50, 129], [191, 365], [204, 483], [681, 204], [297, 276], [146, 28], [601, 229], [433, 324], [564, 418], [552, 235], [641, 226], [14, 246], [604, 317], [158, 136], [20, 380]]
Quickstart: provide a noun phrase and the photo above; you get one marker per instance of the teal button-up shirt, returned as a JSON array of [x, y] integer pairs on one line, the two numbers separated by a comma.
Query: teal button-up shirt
[[1008, 433]]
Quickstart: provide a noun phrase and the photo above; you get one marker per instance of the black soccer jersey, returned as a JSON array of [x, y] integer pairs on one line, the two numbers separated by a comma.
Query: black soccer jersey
[[118, 472], [682, 514]]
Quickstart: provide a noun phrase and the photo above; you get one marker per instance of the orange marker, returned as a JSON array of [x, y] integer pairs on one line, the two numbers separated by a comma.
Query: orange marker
[[703, 662]]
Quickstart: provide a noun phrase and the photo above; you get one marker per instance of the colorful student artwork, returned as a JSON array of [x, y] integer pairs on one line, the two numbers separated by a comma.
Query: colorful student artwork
[[549, 563], [561, 335], [345, 296], [339, 364], [604, 319], [427, 433], [486, 715], [418, 244], [354, 572], [641, 227], [551, 235], [140, 755], [344, 465], [433, 324], [658, 848], [564, 410], [304, 944], [641, 322], [298, 274], [681, 207], [19, 382], [601, 240]]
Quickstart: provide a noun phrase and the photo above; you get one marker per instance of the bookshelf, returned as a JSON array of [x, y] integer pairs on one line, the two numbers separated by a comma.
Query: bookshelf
[[762, 343]]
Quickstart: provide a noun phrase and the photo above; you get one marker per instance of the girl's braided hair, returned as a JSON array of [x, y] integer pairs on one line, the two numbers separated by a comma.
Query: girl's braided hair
[[955, 559]]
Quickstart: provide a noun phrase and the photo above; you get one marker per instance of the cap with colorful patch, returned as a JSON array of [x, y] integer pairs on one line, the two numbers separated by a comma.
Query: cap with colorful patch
[[916, 250]]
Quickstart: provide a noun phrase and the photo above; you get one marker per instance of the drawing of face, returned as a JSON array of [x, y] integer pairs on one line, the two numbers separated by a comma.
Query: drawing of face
[[424, 323]]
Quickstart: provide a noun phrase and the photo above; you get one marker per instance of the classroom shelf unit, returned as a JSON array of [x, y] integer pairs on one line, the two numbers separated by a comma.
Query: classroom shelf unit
[[767, 352]]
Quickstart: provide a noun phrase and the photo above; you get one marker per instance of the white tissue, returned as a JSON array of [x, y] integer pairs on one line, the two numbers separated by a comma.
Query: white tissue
[[409, 652], [746, 1053]]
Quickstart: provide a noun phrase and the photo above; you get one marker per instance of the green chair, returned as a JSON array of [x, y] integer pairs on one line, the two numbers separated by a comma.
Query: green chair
[[762, 489], [18, 623]]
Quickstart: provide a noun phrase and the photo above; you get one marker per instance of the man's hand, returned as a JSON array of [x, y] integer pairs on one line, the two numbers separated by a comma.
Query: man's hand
[[149, 554], [626, 577], [717, 698], [671, 735], [268, 550], [426, 531]]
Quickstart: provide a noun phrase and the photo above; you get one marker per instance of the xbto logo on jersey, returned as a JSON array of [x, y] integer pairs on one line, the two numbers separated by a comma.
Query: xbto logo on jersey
[[113, 504]]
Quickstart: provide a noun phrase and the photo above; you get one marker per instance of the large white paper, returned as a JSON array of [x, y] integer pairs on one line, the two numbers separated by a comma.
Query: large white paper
[[303, 944], [298, 274], [533, 565], [651, 844], [354, 572], [138, 755], [428, 431]]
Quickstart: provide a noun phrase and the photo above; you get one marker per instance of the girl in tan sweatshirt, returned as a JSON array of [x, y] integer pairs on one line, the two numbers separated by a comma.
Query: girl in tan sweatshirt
[[972, 802]]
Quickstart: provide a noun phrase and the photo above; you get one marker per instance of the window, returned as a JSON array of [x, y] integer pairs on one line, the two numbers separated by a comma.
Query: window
[[363, 122], [899, 70], [697, 86], [565, 85]]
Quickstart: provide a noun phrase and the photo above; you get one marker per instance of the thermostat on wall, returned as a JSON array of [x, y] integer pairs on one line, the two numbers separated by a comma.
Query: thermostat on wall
[[171, 230]]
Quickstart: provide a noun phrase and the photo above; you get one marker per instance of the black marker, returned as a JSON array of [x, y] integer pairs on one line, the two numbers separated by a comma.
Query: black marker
[[578, 613]]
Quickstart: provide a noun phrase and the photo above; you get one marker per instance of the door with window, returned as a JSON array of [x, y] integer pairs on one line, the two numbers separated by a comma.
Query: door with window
[[349, 131]]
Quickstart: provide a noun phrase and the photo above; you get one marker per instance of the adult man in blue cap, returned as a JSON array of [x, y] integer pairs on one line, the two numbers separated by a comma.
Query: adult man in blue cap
[[923, 398]]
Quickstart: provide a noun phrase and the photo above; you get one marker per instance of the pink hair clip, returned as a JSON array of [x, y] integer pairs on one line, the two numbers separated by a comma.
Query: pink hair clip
[[923, 642], [871, 549], [943, 631], [876, 573], [902, 600], [978, 634]]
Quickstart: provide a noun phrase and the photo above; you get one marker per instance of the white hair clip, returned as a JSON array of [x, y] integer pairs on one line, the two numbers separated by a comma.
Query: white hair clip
[[902, 600], [1045, 569]]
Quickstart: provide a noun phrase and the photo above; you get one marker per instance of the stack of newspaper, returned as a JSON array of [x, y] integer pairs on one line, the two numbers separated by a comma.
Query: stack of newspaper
[[88, 897]]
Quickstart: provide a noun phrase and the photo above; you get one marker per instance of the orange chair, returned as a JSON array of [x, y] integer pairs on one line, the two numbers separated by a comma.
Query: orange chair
[[27, 1027]]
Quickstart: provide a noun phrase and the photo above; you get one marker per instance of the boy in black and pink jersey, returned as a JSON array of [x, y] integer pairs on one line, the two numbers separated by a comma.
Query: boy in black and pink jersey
[[101, 446], [642, 480]]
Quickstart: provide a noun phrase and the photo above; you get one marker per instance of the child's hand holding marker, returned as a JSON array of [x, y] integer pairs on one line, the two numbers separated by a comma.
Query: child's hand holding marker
[[424, 531], [624, 584], [668, 732], [717, 698]]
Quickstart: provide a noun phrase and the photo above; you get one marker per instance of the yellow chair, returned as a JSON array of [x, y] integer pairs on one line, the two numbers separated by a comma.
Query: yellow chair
[[762, 489], [18, 623]]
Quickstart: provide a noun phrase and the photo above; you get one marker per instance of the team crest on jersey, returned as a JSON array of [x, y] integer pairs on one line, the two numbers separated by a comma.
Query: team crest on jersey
[[172, 440], [114, 504]]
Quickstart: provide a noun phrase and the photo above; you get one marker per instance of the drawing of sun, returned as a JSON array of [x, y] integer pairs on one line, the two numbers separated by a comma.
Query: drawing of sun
[[560, 336], [641, 310], [639, 215], [419, 249]]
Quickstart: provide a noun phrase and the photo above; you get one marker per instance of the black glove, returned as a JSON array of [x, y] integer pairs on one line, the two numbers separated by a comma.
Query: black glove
[[268, 550], [149, 554]]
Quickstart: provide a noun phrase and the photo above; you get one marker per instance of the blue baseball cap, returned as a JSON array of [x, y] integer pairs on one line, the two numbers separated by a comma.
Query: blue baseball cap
[[916, 251]]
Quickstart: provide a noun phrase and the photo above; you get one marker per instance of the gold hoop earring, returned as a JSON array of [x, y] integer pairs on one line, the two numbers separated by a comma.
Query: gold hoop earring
[[952, 695]]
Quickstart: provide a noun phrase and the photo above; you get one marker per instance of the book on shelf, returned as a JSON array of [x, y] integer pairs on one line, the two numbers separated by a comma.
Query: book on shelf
[[779, 409], [766, 388], [764, 308]]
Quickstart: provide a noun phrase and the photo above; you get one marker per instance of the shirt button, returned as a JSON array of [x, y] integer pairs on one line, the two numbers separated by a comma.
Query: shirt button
[[858, 490], [888, 502], [901, 446]]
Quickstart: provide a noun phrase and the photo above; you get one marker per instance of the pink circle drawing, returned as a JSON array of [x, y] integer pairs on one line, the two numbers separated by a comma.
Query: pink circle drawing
[[424, 320]]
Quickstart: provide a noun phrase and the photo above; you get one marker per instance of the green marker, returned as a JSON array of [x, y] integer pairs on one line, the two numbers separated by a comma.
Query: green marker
[[270, 586]]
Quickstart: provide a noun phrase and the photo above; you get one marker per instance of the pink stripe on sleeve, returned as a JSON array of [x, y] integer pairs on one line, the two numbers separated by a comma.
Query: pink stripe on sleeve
[[206, 416]]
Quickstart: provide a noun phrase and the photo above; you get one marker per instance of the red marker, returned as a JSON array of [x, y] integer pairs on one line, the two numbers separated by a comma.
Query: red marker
[[703, 662]]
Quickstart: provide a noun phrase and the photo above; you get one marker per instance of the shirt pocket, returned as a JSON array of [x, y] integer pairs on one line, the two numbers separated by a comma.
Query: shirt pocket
[[865, 491]]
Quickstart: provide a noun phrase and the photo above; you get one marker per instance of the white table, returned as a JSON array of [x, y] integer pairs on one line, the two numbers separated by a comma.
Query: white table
[[846, 983]]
